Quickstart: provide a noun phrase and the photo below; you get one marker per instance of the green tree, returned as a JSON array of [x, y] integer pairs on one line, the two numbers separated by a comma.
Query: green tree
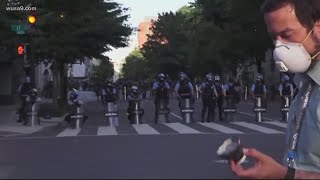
[[135, 66], [74, 30], [103, 71], [167, 48]]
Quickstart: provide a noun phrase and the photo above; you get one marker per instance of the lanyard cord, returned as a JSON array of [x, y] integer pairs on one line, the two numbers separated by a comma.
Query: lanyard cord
[[297, 127]]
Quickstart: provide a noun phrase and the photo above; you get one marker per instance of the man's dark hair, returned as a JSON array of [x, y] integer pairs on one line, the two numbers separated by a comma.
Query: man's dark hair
[[307, 11]]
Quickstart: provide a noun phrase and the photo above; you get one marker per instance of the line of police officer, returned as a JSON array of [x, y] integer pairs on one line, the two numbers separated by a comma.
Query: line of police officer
[[214, 94]]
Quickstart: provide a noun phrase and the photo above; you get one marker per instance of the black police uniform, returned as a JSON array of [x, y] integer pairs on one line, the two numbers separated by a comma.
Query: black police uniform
[[161, 94], [219, 99], [258, 92], [208, 101], [23, 94]]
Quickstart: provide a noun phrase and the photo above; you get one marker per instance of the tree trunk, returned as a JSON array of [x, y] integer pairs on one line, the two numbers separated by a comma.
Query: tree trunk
[[258, 62], [60, 89], [56, 82]]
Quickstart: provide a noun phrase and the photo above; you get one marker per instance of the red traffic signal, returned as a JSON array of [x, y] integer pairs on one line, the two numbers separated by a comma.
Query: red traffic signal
[[20, 49]]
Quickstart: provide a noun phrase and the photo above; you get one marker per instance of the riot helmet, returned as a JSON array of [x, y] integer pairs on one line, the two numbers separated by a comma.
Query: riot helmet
[[209, 78], [134, 90], [33, 92], [161, 77], [74, 94]]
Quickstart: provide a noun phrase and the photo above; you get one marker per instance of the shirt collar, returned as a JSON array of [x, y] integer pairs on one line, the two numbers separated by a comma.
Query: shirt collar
[[314, 72]]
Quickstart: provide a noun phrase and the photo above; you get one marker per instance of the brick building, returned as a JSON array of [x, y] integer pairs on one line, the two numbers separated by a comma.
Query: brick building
[[144, 30]]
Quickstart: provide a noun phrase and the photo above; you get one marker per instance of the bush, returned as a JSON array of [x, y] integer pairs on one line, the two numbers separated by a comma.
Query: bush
[[53, 109]]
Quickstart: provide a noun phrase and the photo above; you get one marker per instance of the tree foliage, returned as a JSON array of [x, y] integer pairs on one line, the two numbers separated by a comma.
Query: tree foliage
[[135, 66], [208, 36], [103, 71]]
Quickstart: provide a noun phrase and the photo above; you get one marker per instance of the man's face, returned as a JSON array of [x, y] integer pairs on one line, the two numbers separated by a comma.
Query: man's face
[[283, 25]]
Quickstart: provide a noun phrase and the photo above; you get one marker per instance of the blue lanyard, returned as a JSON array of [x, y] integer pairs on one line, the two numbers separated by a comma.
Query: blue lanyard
[[297, 127]]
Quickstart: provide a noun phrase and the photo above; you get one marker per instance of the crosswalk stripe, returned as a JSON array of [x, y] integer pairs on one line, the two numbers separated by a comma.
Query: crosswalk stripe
[[257, 128], [221, 128], [183, 129], [284, 125], [144, 129], [69, 132], [106, 131]]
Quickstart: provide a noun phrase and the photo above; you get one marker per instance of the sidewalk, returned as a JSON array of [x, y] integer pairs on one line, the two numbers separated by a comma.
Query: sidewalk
[[9, 126]]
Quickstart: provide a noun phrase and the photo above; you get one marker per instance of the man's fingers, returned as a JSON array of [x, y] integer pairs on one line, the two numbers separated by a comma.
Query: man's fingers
[[236, 168], [240, 171], [255, 154]]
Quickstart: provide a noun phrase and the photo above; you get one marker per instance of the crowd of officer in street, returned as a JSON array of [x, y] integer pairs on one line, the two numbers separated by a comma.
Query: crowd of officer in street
[[213, 92]]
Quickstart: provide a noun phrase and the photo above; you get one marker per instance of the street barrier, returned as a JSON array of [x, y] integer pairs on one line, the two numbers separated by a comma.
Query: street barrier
[[137, 113], [285, 108], [111, 114], [229, 110], [77, 118], [187, 110], [258, 109]]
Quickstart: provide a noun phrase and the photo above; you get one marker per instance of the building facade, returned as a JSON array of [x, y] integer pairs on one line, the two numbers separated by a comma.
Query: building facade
[[145, 29]]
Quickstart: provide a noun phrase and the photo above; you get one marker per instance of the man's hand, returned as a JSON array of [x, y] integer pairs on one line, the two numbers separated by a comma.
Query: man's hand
[[265, 167]]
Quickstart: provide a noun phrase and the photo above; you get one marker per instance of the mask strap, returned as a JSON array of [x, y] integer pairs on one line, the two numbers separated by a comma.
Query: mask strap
[[307, 36], [314, 56]]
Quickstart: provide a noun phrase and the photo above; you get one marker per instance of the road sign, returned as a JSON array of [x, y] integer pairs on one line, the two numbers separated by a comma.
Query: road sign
[[19, 28]]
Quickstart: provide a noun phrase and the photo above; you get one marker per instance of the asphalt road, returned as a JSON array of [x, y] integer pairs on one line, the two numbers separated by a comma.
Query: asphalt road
[[178, 150]]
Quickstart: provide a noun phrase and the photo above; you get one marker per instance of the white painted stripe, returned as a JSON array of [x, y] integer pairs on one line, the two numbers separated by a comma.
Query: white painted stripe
[[69, 132], [283, 125], [257, 128], [253, 115], [173, 114], [183, 129], [221, 128], [107, 131], [144, 129]]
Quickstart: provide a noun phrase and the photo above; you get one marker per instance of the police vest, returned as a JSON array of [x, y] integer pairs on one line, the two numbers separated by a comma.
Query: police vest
[[258, 89], [184, 91], [286, 91], [208, 90], [161, 91], [109, 96]]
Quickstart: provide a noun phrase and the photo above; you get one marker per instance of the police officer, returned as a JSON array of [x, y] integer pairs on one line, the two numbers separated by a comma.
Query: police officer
[[209, 94], [184, 88], [23, 93], [74, 103], [109, 92], [31, 99], [259, 89], [161, 90], [221, 94], [231, 93], [285, 90], [133, 97]]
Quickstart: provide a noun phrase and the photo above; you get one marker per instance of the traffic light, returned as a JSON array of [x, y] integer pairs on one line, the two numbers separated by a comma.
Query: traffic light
[[32, 17], [20, 49]]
